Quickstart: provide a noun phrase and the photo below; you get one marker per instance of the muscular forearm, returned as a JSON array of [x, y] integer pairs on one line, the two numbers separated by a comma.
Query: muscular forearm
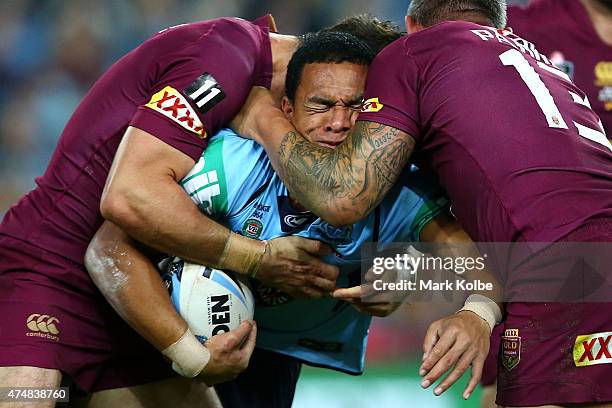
[[143, 197], [163, 217], [340, 185], [131, 284], [452, 241]]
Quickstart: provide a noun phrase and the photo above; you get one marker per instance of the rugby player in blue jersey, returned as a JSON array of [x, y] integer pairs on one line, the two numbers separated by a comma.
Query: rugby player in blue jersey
[[235, 184]]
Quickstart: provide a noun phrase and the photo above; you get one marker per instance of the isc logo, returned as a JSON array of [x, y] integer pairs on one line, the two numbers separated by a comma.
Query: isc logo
[[202, 185], [593, 349]]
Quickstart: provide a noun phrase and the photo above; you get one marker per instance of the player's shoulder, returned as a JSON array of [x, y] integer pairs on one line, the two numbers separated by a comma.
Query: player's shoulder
[[392, 53], [242, 159], [214, 23], [233, 149], [228, 169], [435, 30], [222, 28], [246, 168], [234, 142], [228, 25], [440, 37]]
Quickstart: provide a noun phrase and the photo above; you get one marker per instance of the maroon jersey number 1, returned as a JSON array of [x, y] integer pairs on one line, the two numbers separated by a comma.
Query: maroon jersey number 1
[[545, 100]]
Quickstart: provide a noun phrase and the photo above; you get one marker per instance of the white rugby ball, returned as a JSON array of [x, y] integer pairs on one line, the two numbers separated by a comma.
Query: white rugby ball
[[210, 300]]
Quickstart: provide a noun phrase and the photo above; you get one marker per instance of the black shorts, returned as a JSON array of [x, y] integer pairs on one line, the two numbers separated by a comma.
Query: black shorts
[[268, 382]]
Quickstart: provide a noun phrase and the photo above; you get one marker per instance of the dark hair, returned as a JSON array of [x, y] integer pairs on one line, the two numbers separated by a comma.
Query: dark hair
[[369, 29], [324, 47], [430, 12]]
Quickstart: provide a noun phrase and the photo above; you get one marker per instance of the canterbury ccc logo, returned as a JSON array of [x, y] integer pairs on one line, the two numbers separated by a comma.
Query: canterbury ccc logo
[[173, 105], [42, 323], [593, 349], [372, 105]]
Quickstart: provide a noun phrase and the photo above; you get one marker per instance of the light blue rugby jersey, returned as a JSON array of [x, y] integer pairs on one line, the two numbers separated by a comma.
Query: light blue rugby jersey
[[235, 184]]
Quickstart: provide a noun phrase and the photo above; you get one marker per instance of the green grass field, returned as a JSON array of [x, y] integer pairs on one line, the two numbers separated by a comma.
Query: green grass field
[[382, 386]]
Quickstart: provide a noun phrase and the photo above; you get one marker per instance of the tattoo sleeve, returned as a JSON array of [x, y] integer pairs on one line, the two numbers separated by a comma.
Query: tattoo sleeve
[[343, 185]]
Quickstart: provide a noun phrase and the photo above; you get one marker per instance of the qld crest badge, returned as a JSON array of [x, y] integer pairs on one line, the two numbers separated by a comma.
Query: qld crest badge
[[510, 348]]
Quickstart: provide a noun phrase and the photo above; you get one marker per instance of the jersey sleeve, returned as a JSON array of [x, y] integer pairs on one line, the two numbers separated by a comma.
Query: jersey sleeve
[[433, 199], [391, 96], [200, 75], [413, 202], [228, 174]]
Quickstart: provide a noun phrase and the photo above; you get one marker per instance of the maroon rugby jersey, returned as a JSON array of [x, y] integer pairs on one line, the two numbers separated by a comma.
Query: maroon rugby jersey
[[521, 155], [562, 29], [181, 85]]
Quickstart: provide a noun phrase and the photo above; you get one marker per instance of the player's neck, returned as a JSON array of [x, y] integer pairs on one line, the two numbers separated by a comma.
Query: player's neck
[[472, 17], [283, 47], [601, 16]]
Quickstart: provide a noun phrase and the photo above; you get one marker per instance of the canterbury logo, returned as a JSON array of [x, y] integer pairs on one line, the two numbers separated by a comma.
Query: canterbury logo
[[42, 323]]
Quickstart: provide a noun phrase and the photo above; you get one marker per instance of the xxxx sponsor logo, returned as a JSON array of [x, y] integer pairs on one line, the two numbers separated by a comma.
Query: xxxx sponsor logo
[[43, 325], [511, 348], [173, 105], [593, 349], [372, 105]]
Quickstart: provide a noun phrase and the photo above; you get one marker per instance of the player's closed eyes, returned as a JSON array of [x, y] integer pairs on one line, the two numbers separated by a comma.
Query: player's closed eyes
[[325, 108], [318, 109]]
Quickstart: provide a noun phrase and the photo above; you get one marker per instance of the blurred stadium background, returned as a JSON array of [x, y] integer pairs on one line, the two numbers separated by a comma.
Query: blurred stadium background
[[51, 53]]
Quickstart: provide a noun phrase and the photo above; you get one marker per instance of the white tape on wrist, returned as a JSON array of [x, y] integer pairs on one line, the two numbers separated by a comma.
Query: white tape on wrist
[[189, 356], [238, 255], [484, 307]]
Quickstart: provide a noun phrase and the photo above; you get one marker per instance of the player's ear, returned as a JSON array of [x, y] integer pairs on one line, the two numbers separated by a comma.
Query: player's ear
[[412, 26], [287, 107]]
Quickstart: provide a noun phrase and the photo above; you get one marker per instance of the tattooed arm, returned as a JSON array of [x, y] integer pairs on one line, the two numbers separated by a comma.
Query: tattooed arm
[[340, 185], [343, 185]]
